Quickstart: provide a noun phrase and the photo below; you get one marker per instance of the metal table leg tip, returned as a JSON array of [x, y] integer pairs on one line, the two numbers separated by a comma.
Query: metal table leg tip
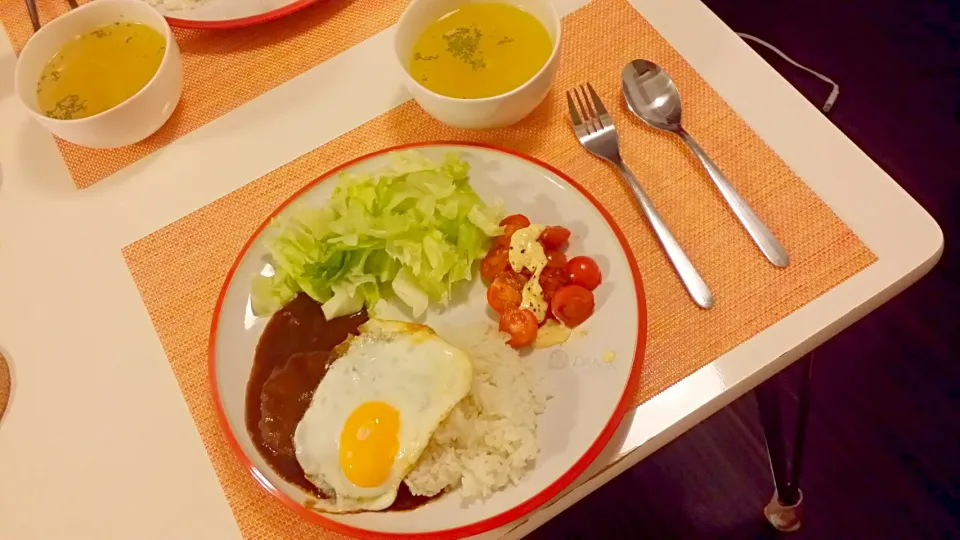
[[784, 518]]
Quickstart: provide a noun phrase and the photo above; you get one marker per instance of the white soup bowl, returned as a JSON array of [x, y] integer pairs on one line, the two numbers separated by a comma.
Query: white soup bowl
[[132, 120], [479, 113]]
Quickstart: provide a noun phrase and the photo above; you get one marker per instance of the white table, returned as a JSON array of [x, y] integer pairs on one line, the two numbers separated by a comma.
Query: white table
[[98, 442]]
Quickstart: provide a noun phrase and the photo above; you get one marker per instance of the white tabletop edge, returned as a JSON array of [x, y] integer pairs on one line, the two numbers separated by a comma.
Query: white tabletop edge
[[167, 186]]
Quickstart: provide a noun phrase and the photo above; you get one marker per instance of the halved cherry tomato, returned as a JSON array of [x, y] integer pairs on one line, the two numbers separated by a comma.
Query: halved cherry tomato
[[554, 236], [516, 279], [522, 326], [584, 272], [555, 258], [508, 230], [511, 224], [502, 296], [515, 219], [552, 279], [496, 261], [572, 304]]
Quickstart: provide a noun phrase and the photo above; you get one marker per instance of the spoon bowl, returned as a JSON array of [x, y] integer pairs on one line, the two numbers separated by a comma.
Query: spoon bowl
[[651, 95]]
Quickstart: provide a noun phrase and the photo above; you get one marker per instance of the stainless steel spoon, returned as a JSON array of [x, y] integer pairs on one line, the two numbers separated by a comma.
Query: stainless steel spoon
[[653, 98]]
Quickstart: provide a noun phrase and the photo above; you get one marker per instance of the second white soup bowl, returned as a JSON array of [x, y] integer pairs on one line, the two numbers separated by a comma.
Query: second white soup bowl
[[479, 113]]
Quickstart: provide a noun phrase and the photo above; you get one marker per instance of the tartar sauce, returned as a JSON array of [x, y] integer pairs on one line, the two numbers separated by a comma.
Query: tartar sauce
[[551, 333], [526, 252]]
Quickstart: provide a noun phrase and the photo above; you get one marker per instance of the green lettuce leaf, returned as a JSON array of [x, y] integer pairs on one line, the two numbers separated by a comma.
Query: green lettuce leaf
[[417, 227]]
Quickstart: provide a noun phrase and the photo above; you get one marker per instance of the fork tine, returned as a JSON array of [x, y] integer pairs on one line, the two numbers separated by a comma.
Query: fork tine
[[603, 117], [595, 123], [574, 116], [585, 111], [590, 112], [596, 101], [73, 4]]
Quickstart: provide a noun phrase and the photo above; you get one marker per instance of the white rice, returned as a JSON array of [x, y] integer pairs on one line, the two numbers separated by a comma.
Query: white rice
[[489, 441]]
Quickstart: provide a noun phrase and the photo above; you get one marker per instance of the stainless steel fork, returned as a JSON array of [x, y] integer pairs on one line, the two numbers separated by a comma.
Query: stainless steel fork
[[596, 132]]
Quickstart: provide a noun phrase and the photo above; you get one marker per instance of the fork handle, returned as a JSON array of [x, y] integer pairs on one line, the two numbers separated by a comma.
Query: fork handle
[[34, 14], [696, 287], [771, 248]]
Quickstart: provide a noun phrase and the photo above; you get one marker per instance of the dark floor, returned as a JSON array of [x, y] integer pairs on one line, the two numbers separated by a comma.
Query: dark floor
[[883, 454]]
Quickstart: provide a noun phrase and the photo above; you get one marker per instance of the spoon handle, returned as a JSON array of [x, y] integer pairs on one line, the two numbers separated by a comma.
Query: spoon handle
[[696, 287], [771, 248]]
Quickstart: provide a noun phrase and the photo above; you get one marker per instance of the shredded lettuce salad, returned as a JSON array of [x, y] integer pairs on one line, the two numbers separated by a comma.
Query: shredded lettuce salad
[[417, 227]]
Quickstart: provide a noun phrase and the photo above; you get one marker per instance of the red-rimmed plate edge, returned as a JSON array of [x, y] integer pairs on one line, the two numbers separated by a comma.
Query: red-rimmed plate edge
[[242, 21], [507, 516]]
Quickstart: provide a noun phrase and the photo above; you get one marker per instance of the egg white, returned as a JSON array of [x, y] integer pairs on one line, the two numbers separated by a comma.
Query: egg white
[[403, 364]]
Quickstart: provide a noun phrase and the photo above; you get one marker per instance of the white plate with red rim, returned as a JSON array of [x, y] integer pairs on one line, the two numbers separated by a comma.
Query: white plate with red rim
[[591, 377], [213, 14]]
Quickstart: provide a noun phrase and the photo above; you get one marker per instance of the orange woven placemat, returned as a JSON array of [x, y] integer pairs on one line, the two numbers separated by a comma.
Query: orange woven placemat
[[180, 268], [222, 69]]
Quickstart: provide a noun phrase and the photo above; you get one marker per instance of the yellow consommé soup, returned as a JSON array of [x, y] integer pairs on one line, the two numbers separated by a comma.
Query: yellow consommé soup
[[480, 50], [99, 70]]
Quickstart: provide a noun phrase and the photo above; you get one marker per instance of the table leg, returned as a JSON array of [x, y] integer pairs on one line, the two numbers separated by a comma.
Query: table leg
[[785, 511]]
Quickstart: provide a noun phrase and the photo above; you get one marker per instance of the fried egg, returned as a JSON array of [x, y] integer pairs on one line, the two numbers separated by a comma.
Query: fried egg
[[375, 410]]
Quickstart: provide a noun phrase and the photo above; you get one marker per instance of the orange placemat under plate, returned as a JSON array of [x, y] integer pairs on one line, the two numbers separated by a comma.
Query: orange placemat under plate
[[222, 69], [179, 269]]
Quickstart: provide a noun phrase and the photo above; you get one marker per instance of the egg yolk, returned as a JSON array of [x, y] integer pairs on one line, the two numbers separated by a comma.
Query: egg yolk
[[369, 443]]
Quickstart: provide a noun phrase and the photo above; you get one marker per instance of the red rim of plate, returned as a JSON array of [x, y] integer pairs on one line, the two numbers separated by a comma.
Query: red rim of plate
[[507, 516], [242, 21]]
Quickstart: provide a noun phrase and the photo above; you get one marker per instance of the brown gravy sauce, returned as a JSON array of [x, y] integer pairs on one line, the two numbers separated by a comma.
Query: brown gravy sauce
[[291, 359]]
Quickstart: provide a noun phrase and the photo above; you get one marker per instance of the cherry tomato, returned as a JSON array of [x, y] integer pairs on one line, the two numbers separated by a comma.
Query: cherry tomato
[[584, 272], [554, 236], [522, 326], [572, 304], [515, 219], [504, 239], [511, 224], [496, 261], [555, 258], [502, 296], [551, 279], [515, 279]]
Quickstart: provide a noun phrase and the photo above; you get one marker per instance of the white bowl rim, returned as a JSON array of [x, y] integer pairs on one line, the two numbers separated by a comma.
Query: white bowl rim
[[167, 34], [555, 19]]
